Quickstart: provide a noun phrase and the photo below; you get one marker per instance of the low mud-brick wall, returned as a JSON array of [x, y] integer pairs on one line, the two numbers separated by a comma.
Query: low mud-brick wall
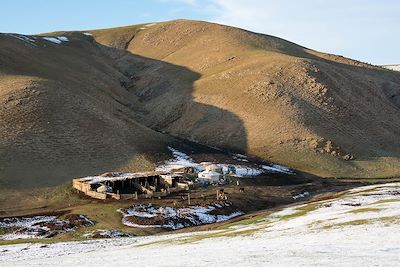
[[145, 185], [84, 187]]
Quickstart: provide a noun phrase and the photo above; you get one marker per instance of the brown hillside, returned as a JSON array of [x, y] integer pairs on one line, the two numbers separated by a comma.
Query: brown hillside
[[63, 113], [82, 107], [266, 96]]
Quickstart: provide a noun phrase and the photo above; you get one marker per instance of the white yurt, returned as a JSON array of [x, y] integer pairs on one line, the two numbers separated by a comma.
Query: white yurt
[[209, 177]]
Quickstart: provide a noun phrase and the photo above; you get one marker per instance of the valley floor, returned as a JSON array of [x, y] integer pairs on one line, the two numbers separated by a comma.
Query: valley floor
[[358, 227]]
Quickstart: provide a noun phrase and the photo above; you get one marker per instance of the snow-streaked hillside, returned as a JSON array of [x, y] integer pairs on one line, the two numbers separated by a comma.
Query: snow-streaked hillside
[[392, 67], [359, 227]]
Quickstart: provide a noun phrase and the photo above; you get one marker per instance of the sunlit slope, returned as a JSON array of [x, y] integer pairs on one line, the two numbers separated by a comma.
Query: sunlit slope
[[104, 99], [265, 96]]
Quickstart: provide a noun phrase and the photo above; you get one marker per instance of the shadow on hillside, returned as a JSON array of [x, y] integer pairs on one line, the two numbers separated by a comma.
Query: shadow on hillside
[[91, 125], [153, 93], [165, 103]]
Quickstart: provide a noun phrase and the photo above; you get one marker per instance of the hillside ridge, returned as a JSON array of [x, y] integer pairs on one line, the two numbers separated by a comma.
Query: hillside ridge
[[104, 99]]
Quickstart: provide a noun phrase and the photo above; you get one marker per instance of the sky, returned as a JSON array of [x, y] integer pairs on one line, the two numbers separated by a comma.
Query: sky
[[366, 30]]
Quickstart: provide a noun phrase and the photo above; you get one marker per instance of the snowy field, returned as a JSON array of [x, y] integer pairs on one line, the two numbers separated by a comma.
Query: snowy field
[[359, 227]]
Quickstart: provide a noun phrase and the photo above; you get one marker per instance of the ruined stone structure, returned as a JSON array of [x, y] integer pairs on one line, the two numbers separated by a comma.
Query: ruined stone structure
[[131, 185]]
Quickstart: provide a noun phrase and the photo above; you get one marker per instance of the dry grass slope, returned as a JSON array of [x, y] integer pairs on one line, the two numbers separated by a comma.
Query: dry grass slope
[[94, 103], [266, 96], [63, 113]]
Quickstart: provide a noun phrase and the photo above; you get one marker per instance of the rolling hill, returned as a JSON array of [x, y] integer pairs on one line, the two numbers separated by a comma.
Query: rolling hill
[[110, 99], [63, 113], [265, 96]]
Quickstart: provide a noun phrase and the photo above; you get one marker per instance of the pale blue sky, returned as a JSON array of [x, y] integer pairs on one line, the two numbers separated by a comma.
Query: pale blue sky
[[368, 30]]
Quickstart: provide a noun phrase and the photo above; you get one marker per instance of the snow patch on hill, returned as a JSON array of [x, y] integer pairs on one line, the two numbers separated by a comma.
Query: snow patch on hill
[[56, 39], [181, 159], [31, 40], [392, 67]]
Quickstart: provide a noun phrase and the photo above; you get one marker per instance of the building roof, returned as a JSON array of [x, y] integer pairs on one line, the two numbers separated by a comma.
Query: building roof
[[120, 177]]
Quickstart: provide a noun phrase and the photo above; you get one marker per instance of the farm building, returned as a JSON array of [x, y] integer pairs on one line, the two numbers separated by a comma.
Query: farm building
[[131, 185]]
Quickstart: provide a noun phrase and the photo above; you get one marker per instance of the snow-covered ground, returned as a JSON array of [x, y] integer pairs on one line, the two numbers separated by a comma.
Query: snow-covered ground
[[392, 67], [31, 40], [40, 226], [301, 195], [56, 39], [28, 227], [180, 159], [360, 227], [175, 218], [102, 233]]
